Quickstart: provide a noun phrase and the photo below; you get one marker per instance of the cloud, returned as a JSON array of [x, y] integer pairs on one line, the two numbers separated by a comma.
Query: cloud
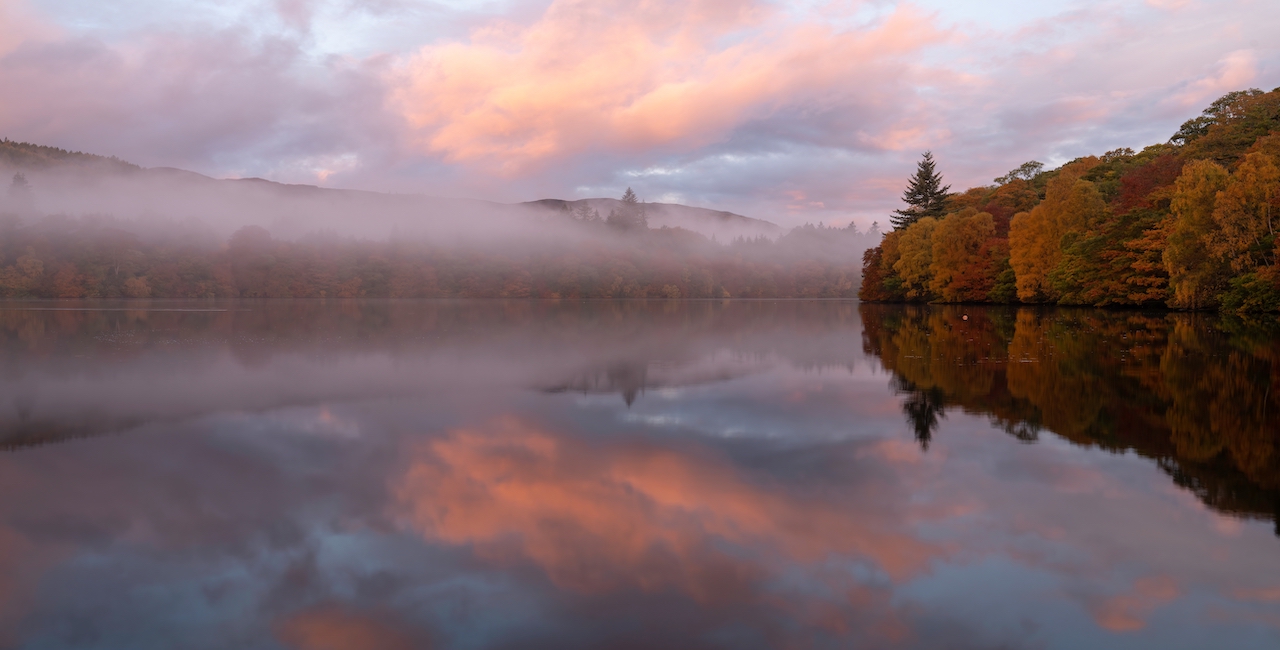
[[1127, 612], [18, 24], [665, 76], [219, 100], [746, 103], [333, 627], [1236, 71]]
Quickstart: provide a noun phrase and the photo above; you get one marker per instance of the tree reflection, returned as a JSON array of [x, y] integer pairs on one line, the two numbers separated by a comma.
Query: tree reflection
[[1194, 393], [923, 408]]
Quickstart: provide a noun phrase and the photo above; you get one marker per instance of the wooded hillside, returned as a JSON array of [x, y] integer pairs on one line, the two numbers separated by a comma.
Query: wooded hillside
[[1188, 224]]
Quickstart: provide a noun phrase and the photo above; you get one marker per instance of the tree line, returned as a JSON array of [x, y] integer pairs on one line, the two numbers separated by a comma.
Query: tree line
[[1187, 224]]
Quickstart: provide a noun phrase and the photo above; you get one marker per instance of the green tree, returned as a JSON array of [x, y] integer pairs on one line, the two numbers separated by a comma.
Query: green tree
[[1026, 171], [1223, 108], [925, 195], [1234, 123]]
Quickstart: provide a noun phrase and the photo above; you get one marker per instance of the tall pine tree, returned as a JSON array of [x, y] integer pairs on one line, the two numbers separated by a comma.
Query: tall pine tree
[[630, 215], [925, 195]]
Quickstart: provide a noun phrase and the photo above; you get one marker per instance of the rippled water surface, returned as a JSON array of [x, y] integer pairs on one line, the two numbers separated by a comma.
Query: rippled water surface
[[346, 475]]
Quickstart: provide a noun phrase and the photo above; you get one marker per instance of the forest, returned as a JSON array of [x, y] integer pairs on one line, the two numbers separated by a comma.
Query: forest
[[575, 254], [1187, 224]]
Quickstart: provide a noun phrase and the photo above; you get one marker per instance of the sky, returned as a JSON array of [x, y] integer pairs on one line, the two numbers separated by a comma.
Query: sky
[[795, 112]]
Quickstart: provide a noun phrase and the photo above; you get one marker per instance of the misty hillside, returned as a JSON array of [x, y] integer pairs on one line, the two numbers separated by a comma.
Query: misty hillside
[[73, 183], [27, 156], [718, 223], [75, 226]]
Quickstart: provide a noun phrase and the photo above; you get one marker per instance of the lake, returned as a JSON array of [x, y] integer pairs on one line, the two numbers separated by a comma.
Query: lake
[[488, 474]]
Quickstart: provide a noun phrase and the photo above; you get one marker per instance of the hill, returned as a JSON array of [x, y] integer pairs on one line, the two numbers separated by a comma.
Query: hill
[[69, 182], [24, 155]]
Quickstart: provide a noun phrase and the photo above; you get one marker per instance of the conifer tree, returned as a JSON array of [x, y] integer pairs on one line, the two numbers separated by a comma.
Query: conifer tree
[[19, 188], [631, 215], [925, 195]]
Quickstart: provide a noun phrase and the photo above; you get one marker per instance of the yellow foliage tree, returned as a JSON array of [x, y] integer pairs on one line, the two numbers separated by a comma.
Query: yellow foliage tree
[[1196, 276], [957, 259], [915, 251], [1245, 214], [1035, 238]]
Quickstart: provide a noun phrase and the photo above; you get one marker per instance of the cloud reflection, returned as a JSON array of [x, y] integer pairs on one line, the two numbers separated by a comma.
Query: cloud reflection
[[599, 517], [333, 627]]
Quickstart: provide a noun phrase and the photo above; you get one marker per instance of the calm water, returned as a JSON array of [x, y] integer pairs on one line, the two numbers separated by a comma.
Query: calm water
[[396, 475]]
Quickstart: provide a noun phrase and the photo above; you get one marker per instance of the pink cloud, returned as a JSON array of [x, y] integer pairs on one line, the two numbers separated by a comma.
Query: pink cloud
[[748, 100], [19, 24], [1127, 612], [598, 518], [1236, 71], [663, 74]]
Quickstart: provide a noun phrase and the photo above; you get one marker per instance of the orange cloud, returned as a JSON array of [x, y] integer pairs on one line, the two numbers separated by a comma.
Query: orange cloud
[[598, 517], [625, 75], [1127, 612], [335, 628]]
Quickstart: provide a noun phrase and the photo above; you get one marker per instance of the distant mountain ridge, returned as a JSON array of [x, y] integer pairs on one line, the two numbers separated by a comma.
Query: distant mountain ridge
[[99, 184]]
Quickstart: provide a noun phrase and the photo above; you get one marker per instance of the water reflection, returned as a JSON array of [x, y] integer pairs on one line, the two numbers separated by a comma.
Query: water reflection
[[1195, 393], [170, 361], [526, 474]]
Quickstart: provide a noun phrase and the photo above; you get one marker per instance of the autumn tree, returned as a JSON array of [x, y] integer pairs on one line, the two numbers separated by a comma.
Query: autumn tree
[[915, 255], [891, 285], [1036, 237], [873, 276], [960, 270], [1196, 275], [23, 278], [1230, 126], [1245, 215], [925, 195]]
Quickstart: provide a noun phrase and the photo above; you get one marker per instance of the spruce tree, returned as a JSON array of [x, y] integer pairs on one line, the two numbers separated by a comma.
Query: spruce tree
[[630, 215], [925, 195]]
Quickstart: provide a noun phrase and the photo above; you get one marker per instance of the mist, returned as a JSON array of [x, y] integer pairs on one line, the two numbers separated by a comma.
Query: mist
[[82, 226], [105, 371]]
